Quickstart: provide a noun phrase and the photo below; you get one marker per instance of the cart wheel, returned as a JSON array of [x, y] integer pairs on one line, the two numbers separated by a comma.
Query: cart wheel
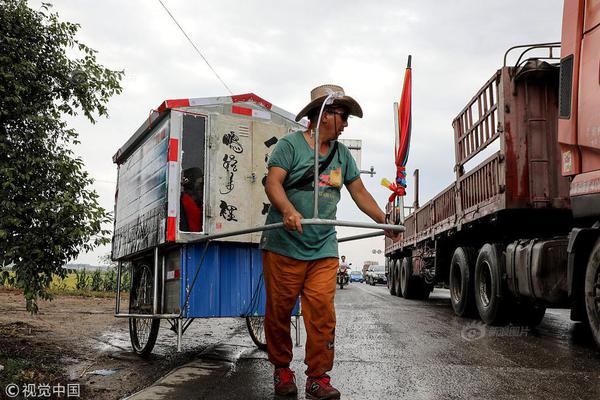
[[256, 328], [142, 331]]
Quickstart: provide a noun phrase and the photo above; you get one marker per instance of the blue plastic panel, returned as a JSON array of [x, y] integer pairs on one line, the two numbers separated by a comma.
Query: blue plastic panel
[[229, 283]]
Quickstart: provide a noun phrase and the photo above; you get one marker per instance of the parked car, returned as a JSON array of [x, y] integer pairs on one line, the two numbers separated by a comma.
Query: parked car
[[376, 274], [356, 276]]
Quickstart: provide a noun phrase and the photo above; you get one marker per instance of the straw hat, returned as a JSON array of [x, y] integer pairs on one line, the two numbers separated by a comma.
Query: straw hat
[[320, 93]]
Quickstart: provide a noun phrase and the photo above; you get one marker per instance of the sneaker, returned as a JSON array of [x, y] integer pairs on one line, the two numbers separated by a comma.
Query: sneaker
[[319, 388], [285, 382]]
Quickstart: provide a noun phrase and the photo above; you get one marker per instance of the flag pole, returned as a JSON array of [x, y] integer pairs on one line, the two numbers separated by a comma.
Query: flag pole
[[400, 199]]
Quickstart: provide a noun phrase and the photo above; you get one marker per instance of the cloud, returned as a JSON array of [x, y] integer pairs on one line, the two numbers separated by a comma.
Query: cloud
[[280, 50]]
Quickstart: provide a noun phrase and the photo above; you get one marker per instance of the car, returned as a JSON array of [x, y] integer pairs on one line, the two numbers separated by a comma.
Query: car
[[356, 276], [376, 274]]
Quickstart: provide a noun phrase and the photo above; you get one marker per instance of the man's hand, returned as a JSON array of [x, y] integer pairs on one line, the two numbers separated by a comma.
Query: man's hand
[[291, 220], [394, 235]]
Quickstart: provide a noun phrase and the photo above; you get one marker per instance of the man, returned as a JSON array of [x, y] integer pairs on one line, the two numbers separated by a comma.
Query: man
[[343, 263], [301, 260], [191, 200]]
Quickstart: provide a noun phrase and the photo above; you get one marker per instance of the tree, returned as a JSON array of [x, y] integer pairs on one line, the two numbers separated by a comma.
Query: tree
[[49, 211]]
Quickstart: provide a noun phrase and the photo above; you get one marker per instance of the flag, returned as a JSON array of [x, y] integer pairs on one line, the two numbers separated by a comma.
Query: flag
[[403, 140]]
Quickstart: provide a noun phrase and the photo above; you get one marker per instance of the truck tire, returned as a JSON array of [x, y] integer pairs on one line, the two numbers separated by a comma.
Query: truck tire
[[409, 286], [462, 272], [397, 266], [391, 277], [592, 292], [490, 294]]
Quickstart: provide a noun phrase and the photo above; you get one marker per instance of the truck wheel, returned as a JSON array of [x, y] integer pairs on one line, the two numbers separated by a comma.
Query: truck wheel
[[490, 295], [396, 283], [462, 271], [408, 284], [592, 292], [391, 277]]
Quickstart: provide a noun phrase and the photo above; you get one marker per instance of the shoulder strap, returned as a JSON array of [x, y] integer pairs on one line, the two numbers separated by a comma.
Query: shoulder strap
[[310, 176]]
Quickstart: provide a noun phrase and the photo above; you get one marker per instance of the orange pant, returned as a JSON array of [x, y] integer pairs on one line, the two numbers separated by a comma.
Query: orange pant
[[285, 279]]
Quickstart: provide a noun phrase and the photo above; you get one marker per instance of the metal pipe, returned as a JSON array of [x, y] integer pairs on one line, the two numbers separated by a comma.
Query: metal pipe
[[297, 331], [358, 237], [162, 281], [149, 316], [118, 305], [179, 333], [155, 288], [533, 45], [416, 202], [196, 238]]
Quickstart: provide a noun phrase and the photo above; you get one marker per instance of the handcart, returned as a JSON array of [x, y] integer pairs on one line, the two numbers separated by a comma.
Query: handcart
[[190, 209]]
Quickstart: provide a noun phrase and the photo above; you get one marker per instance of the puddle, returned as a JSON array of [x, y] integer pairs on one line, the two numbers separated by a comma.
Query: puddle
[[201, 333], [104, 372]]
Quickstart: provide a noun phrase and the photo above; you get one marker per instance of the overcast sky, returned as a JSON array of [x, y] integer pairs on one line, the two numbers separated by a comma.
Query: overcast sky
[[282, 49]]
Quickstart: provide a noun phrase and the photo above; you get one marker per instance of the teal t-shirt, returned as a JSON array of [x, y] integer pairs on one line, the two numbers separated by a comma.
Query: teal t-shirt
[[293, 154]]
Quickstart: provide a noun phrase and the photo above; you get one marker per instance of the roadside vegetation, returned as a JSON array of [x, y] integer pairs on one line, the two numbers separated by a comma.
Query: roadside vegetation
[[88, 283]]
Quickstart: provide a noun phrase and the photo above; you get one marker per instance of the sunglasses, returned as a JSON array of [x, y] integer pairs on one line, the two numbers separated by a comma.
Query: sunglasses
[[343, 114]]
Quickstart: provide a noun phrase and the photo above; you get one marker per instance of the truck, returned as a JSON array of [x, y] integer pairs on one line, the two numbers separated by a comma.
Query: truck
[[518, 232]]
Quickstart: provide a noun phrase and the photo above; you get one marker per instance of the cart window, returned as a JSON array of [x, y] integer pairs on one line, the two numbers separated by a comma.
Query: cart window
[[191, 210]]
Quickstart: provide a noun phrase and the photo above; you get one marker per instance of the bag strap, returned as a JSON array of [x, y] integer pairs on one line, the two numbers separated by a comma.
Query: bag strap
[[308, 178]]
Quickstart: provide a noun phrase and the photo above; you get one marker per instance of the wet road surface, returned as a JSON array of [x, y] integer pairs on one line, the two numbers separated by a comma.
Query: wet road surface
[[391, 348]]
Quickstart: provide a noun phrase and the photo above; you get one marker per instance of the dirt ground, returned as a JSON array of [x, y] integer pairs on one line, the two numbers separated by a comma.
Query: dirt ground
[[78, 340]]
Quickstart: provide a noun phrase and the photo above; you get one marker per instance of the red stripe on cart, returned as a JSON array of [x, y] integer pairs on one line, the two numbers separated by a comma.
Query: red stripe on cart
[[241, 110], [173, 103], [251, 97], [173, 150], [171, 224]]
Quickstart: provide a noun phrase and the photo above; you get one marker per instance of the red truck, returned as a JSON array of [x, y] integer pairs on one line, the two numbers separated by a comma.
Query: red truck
[[519, 231]]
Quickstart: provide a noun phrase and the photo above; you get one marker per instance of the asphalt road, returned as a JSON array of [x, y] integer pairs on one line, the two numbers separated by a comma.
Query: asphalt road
[[391, 348]]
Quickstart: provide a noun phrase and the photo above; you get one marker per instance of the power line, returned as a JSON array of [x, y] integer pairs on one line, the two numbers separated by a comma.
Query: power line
[[196, 48]]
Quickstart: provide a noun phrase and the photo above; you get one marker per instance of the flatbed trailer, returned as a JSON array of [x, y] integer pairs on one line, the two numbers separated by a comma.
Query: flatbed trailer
[[503, 235]]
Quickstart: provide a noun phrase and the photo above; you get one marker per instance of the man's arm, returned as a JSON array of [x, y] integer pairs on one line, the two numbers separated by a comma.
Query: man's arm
[[278, 198], [368, 205]]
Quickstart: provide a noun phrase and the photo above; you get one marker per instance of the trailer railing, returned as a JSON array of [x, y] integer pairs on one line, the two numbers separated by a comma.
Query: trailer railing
[[475, 127], [553, 49]]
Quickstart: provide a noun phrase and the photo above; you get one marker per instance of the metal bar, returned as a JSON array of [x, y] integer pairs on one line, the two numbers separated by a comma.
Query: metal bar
[[358, 237], [297, 331], [162, 280], [195, 238], [118, 305], [150, 316], [179, 334], [155, 288], [478, 122]]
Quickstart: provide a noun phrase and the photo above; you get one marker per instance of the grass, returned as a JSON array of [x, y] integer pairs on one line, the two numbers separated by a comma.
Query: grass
[[68, 286]]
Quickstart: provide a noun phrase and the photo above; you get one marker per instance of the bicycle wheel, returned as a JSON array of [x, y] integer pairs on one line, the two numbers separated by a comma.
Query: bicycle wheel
[[142, 331], [256, 328]]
